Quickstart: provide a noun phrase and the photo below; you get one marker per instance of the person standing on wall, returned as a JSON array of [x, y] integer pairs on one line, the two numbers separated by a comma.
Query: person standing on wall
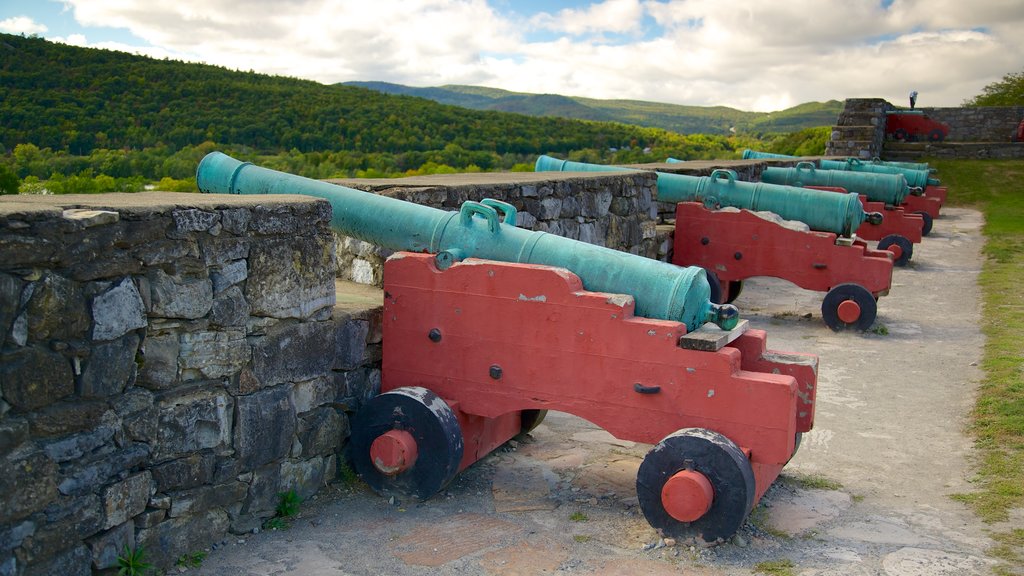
[[913, 98]]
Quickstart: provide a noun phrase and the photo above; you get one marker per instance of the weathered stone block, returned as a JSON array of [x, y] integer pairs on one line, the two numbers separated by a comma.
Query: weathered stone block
[[264, 426], [160, 362], [293, 352], [78, 445], [313, 393], [193, 220], [595, 205], [110, 367], [194, 501], [67, 521], [526, 220], [305, 477], [229, 275], [550, 208], [192, 422], [13, 431], [291, 278], [165, 251], [10, 298], [178, 296], [322, 431], [57, 309], [34, 377], [98, 470], [212, 355], [124, 500], [107, 546], [117, 311], [187, 472], [150, 518], [236, 220], [350, 342], [176, 536], [74, 561], [230, 308]]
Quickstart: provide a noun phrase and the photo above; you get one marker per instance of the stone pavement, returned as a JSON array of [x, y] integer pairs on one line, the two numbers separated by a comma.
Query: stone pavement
[[868, 494]]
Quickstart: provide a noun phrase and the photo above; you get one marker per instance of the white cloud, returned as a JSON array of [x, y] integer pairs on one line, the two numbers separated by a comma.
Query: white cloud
[[21, 25], [615, 16], [743, 53]]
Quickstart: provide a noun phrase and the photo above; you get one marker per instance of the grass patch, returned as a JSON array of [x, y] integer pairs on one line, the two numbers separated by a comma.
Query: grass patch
[[996, 187], [784, 567], [759, 518], [581, 538], [578, 516], [132, 562], [811, 481], [193, 560], [347, 475], [287, 507], [880, 329]]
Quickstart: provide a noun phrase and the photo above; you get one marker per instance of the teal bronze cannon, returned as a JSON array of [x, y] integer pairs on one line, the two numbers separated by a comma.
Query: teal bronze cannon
[[840, 214], [749, 154], [915, 178], [476, 349], [483, 229], [891, 189]]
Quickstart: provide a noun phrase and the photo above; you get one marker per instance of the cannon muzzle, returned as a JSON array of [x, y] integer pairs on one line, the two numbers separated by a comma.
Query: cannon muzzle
[[840, 214], [487, 230]]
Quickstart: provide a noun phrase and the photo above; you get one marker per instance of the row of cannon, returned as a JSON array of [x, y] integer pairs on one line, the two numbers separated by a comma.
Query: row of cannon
[[487, 326]]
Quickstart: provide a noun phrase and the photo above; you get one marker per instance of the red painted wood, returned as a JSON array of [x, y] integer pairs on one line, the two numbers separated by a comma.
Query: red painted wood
[[562, 348], [811, 260], [393, 452], [927, 204], [940, 192]]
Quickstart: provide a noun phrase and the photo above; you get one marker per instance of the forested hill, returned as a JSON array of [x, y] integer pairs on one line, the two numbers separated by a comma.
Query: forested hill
[[77, 99], [685, 119]]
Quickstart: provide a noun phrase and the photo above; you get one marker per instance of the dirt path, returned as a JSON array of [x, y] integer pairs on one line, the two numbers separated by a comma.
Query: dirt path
[[889, 432]]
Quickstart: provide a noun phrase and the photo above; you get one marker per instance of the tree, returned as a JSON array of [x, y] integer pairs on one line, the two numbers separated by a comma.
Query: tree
[[9, 182], [1007, 92]]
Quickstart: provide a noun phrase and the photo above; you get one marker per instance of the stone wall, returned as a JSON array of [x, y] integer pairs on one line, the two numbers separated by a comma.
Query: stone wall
[[615, 210], [860, 129], [981, 124], [170, 364]]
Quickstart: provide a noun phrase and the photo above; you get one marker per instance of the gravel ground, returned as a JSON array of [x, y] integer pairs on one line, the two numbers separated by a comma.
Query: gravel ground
[[868, 493]]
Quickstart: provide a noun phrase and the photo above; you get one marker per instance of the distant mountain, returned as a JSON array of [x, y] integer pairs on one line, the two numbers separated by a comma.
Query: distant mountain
[[674, 117]]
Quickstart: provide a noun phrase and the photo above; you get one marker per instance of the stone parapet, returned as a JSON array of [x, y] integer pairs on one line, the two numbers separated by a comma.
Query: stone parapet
[[170, 364]]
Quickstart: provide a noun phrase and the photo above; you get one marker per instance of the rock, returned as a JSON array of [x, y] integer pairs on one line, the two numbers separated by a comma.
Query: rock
[[57, 310], [13, 431], [160, 361], [150, 518], [293, 352], [77, 445], [176, 536], [298, 290], [193, 220], [313, 393], [229, 275], [210, 355], [117, 311], [107, 546], [10, 299], [322, 432], [350, 342], [187, 472], [126, 499], [73, 561], [34, 377], [98, 470], [230, 308], [67, 521], [178, 296], [264, 426], [111, 365], [193, 421], [262, 498], [195, 500], [236, 220]]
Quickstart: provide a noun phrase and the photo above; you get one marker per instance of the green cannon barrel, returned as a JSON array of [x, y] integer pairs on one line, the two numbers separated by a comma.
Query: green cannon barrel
[[486, 230], [888, 188], [911, 165], [840, 214], [915, 178], [749, 154]]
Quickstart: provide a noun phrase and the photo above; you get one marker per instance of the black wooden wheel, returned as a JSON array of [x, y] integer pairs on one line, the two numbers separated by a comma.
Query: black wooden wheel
[[835, 313], [531, 419], [927, 228], [720, 461], [900, 134], [716, 287], [905, 245], [936, 135], [735, 287], [429, 421], [796, 445]]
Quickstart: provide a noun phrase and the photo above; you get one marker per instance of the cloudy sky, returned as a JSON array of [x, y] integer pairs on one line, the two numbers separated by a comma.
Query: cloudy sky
[[748, 54]]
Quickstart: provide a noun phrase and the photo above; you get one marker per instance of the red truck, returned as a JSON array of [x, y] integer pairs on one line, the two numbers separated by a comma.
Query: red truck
[[914, 125]]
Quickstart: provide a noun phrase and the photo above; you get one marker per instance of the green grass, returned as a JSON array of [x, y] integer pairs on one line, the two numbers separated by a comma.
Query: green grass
[[578, 516], [811, 481], [132, 562], [193, 560], [581, 538], [996, 187], [784, 567]]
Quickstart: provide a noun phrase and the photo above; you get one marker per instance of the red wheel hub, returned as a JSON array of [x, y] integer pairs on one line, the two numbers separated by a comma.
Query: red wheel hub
[[849, 311], [393, 452], [687, 495], [897, 251]]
